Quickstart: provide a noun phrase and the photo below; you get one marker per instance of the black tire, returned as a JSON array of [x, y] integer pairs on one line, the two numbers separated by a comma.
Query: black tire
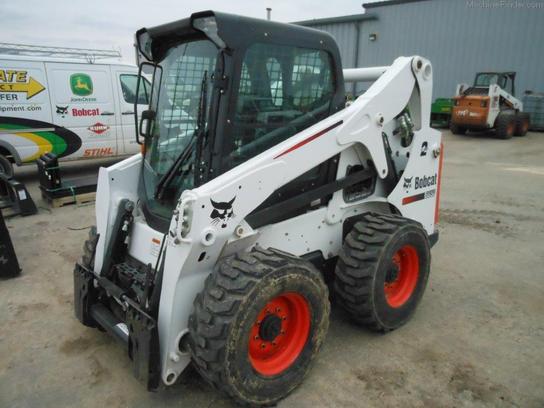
[[6, 167], [522, 124], [226, 314], [505, 125], [85, 294], [365, 266], [89, 249], [457, 130]]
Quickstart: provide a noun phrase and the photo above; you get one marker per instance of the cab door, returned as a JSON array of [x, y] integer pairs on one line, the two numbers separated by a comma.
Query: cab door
[[125, 84], [82, 101]]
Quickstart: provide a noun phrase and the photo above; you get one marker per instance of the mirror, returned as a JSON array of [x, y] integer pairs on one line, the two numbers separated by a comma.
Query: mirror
[[145, 125]]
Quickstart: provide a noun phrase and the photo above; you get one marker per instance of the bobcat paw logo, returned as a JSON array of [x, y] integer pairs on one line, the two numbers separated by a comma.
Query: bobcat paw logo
[[408, 182], [222, 212], [62, 110]]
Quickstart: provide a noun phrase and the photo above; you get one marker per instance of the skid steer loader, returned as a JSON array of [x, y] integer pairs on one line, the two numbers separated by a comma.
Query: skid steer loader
[[489, 104], [256, 185]]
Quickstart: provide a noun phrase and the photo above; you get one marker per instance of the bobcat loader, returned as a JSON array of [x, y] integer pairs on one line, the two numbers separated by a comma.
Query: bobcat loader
[[489, 104], [255, 186]]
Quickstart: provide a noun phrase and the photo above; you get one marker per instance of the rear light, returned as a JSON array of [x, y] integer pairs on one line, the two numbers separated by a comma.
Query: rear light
[[483, 104], [437, 203]]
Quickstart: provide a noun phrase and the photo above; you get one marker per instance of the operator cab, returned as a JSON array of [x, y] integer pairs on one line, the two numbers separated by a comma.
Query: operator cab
[[482, 81], [220, 97]]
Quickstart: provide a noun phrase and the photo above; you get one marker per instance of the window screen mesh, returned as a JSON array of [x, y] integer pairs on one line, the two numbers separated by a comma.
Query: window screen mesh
[[182, 76], [183, 85], [282, 91], [185, 72]]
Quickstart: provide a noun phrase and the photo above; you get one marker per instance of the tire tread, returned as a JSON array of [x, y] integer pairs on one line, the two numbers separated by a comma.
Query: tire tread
[[215, 308], [355, 269]]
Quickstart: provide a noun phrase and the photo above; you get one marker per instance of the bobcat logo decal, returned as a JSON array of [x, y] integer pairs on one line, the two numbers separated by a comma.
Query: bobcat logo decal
[[62, 110], [408, 182], [222, 212]]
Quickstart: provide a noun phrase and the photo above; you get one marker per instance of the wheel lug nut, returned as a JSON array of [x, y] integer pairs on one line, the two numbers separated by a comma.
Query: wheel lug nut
[[278, 309], [256, 337], [263, 345]]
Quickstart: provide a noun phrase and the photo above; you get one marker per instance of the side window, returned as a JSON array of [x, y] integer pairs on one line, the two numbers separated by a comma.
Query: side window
[[310, 80], [283, 90], [128, 88], [245, 81]]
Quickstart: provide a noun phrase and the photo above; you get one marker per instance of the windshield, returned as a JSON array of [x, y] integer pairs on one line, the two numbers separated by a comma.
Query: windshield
[[177, 93]]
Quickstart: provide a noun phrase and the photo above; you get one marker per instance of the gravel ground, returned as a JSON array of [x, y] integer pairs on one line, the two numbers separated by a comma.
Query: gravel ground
[[477, 338]]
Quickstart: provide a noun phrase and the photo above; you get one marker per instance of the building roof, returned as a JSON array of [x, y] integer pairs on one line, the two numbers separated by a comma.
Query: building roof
[[334, 20], [388, 3]]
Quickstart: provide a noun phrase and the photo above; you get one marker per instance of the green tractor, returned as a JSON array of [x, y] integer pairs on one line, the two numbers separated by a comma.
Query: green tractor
[[441, 112]]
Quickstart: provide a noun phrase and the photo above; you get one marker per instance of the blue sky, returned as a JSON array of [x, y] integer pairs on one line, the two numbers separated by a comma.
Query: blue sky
[[110, 24]]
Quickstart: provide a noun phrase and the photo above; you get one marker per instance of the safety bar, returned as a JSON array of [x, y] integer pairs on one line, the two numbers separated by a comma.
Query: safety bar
[[363, 74]]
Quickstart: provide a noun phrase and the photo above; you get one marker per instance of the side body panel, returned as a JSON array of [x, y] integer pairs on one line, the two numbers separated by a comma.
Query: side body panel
[[25, 111], [115, 183], [71, 109], [82, 97], [481, 111]]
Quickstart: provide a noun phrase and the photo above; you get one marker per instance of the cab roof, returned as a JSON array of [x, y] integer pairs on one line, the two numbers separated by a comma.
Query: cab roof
[[233, 30]]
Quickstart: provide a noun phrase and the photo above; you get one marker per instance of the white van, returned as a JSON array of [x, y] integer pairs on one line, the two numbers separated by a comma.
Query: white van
[[74, 109]]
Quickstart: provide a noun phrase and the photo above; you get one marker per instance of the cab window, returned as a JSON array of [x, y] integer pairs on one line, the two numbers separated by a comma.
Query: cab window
[[128, 88], [283, 90]]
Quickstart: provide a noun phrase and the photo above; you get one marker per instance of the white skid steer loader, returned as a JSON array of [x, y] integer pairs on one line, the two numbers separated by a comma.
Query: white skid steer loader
[[255, 186]]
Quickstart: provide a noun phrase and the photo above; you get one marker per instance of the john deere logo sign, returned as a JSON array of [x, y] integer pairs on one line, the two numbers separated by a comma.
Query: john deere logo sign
[[81, 84]]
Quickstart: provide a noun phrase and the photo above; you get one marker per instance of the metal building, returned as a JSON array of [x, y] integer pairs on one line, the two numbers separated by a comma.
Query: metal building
[[460, 37]]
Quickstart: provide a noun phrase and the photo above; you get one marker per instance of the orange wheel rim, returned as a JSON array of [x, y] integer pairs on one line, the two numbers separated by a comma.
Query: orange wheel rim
[[401, 280], [510, 129], [279, 334]]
